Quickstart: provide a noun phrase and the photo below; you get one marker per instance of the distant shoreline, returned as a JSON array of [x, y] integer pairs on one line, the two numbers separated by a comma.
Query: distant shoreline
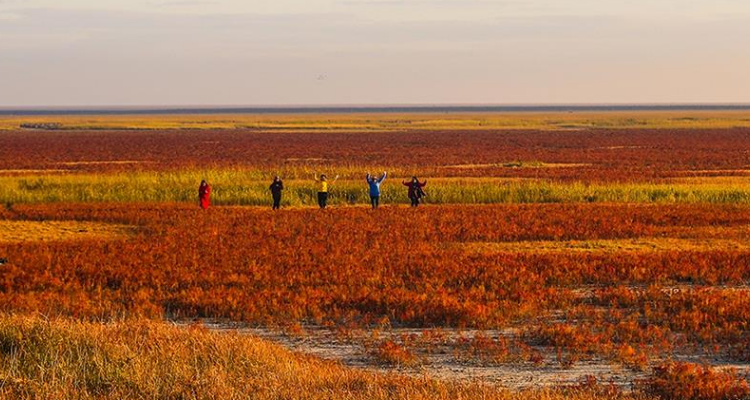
[[31, 111]]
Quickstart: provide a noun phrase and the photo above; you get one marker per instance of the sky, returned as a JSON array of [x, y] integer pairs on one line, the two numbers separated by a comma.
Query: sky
[[370, 52]]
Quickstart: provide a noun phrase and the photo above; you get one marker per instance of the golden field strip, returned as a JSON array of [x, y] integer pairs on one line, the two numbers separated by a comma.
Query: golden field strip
[[250, 188], [391, 122]]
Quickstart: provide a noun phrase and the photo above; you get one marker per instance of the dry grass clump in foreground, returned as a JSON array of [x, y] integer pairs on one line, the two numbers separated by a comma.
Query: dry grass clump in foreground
[[64, 359]]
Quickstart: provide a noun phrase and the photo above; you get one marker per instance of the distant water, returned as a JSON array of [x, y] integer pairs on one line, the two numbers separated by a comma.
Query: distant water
[[367, 109]]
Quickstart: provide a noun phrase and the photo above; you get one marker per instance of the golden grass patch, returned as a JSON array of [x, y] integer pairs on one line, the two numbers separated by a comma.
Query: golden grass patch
[[31, 171], [27, 231], [720, 180]]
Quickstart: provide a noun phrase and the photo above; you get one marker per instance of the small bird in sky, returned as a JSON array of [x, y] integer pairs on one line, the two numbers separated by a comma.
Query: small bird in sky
[[322, 77]]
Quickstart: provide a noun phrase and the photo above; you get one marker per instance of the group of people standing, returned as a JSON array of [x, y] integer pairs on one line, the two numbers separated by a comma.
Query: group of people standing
[[416, 190]]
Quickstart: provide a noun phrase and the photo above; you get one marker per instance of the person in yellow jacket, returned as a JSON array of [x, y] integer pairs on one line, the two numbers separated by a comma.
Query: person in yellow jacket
[[323, 189]]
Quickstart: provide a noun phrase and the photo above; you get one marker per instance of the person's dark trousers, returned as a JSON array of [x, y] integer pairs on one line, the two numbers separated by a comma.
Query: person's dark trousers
[[414, 201], [322, 199], [375, 201], [276, 201]]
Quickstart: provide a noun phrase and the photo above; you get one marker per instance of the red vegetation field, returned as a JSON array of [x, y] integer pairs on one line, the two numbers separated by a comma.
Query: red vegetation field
[[357, 268], [654, 288], [612, 154]]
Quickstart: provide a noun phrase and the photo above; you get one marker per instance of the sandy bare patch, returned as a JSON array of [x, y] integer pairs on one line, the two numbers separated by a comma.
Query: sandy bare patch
[[564, 165], [31, 231], [442, 358], [441, 363], [615, 245]]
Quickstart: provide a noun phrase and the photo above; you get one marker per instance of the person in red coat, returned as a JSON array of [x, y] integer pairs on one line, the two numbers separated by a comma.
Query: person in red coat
[[204, 194], [415, 190]]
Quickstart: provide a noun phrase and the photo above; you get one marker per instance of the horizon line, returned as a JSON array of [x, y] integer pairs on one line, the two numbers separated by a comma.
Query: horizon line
[[372, 108]]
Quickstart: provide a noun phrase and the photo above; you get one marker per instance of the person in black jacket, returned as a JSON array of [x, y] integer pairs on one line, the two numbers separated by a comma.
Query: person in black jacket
[[276, 187], [416, 191]]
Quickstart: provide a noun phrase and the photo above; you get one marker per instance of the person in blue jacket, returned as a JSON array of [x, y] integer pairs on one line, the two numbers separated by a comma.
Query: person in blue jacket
[[375, 189]]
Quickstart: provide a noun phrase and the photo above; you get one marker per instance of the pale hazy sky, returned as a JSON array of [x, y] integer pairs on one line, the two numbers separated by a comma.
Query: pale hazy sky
[[281, 52]]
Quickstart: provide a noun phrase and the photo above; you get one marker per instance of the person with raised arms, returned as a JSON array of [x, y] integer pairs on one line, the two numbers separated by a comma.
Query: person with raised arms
[[415, 190], [375, 189], [323, 187]]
